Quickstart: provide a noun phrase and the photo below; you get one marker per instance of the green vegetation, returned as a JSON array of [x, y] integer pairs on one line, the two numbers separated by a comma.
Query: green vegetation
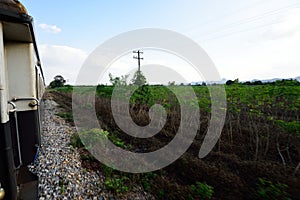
[[76, 141], [66, 115], [289, 127], [117, 141], [93, 136], [120, 182], [62, 185], [147, 180], [268, 191], [260, 138], [161, 194], [58, 81], [117, 184], [118, 80], [138, 78], [202, 190], [89, 138], [264, 99], [65, 89]]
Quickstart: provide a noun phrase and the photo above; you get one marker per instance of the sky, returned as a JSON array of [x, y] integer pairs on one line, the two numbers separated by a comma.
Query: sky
[[246, 39]]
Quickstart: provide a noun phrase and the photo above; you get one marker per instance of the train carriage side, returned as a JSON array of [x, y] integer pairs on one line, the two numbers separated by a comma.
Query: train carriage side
[[21, 90]]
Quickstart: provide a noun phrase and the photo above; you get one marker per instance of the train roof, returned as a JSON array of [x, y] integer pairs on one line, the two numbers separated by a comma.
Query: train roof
[[17, 24], [13, 6]]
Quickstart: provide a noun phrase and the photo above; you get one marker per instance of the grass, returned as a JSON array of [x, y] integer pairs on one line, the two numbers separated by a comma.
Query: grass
[[66, 116]]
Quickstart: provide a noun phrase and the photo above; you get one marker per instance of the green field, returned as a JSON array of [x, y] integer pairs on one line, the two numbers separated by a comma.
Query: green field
[[257, 156]]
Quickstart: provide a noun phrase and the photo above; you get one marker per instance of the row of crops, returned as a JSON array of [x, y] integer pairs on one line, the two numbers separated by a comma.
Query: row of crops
[[260, 139]]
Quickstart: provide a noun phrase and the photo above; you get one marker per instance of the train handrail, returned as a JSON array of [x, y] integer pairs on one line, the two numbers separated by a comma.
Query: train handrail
[[28, 99], [32, 105], [14, 110]]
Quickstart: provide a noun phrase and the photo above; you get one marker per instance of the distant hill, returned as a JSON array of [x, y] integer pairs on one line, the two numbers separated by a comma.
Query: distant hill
[[275, 79], [223, 81], [268, 80]]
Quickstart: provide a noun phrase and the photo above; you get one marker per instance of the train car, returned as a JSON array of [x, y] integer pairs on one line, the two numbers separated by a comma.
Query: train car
[[21, 90]]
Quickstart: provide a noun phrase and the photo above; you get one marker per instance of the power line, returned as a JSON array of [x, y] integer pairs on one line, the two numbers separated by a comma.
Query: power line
[[222, 17], [241, 31], [246, 21], [249, 19]]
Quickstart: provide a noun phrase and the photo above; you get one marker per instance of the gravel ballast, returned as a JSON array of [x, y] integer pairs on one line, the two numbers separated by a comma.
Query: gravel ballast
[[58, 165]]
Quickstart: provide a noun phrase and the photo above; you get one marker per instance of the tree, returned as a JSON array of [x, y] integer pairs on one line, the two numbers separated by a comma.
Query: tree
[[58, 81], [257, 82], [171, 83], [230, 82], [138, 78], [118, 80]]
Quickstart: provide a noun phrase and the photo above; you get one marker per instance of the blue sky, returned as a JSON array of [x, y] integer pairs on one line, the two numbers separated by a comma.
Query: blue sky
[[246, 39]]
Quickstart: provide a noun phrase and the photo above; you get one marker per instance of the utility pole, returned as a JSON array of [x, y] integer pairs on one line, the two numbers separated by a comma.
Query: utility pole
[[138, 58]]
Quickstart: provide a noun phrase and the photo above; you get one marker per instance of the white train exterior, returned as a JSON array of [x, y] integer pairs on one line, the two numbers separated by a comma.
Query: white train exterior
[[21, 90]]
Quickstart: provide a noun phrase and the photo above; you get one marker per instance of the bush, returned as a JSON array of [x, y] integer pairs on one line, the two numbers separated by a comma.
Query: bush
[[92, 137], [76, 141], [117, 184], [203, 190], [89, 138], [290, 127], [267, 190]]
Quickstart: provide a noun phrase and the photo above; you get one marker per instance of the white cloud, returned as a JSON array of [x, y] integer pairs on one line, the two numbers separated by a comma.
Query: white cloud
[[50, 28], [61, 60]]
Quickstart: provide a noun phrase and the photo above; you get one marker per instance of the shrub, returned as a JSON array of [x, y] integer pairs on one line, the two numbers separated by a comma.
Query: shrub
[[117, 141], [203, 190], [76, 141], [117, 184], [267, 190], [92, 137], [89, 138]]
